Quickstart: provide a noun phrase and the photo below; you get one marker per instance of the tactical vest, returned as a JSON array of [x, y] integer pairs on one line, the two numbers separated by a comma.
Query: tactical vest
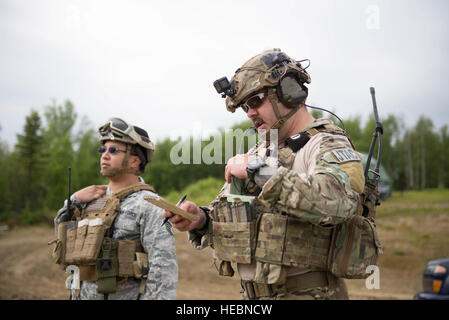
[[86, 241], [245, 231]]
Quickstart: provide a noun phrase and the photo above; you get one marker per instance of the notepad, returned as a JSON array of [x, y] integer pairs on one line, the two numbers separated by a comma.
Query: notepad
[[162, 203]]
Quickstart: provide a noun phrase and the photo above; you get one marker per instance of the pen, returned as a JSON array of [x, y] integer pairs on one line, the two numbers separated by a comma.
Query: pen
[[179, 202]]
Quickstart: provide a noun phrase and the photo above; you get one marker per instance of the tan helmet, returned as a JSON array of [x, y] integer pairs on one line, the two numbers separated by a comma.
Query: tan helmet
[[117, 129], [273, 72], [265, 70]]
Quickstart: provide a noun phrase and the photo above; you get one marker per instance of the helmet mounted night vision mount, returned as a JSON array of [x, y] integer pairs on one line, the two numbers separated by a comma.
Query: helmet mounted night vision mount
[[224, 87]]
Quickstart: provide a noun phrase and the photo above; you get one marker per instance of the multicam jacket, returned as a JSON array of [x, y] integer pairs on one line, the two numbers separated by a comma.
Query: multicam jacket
[[313, 185], [139, 219]]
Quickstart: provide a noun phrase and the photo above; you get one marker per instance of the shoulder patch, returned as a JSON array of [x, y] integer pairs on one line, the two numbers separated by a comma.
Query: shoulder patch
[[345, 155], [297, 141]]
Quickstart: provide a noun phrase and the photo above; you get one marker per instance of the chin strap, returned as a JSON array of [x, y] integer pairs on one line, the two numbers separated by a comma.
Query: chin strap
[[281, 120]]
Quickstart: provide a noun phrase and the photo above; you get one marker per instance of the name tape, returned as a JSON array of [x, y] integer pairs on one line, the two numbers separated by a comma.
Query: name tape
[[345, 155]]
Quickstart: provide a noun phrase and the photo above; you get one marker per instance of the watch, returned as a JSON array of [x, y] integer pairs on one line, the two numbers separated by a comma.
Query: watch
[[253, 166]]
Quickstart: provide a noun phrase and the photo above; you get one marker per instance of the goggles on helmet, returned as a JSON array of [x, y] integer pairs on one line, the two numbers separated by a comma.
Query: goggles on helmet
[[117, 125]]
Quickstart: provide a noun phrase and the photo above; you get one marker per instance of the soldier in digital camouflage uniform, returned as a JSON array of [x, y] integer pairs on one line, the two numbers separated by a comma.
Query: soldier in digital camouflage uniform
[[311, 185], [123, 158]]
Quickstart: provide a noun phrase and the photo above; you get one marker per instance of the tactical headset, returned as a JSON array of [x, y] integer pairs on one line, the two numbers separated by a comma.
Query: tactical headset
[[290, 88]]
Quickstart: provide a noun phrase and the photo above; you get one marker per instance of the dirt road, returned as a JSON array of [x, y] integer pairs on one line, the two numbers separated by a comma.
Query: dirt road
[[27, 272]]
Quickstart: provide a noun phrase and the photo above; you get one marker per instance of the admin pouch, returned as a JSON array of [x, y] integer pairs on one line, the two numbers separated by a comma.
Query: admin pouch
[[85, 242]]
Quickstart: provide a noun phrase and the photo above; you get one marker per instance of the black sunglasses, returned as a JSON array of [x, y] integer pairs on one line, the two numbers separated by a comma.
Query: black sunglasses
[[112, 150]]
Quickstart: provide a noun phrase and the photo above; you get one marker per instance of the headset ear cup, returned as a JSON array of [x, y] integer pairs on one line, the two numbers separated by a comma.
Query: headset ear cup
[[290, 91]]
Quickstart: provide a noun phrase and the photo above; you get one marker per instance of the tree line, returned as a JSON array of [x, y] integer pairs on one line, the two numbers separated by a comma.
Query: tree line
[[34, 175]]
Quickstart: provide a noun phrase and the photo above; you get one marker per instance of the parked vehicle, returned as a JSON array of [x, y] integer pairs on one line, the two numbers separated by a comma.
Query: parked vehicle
[[435, 281]]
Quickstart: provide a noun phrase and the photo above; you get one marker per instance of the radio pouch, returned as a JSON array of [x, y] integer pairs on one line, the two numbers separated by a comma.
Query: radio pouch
[[107, 267]]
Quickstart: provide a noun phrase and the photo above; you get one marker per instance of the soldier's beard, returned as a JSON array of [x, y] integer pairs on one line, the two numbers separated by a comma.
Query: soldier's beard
[[109, 173], [106, 172], [258, 122]]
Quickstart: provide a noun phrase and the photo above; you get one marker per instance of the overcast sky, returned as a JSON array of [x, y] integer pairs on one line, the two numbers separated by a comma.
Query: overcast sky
[[153, 62]]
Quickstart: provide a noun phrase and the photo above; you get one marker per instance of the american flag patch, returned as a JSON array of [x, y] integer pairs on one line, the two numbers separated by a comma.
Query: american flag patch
[[97, 205]]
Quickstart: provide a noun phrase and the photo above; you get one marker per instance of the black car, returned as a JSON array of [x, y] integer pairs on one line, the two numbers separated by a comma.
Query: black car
[[435, 281]]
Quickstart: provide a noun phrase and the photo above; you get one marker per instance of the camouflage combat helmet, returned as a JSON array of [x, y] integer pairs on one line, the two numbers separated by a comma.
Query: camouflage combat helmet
[[272, 70], [117, 129]]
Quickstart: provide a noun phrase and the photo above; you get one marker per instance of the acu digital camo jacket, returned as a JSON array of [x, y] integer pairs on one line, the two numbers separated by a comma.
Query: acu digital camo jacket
[[139, 219]]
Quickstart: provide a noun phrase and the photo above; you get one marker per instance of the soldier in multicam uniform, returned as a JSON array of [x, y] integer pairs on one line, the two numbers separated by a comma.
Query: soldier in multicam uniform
[[125, 152], [281, 241]]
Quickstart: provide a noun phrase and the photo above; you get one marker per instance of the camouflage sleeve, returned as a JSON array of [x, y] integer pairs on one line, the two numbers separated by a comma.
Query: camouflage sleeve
[[63, 215], [324, 197], [201, 239], [159, 242]]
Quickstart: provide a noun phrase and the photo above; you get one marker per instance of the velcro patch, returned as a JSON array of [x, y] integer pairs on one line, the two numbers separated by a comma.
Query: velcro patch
[[297, 141], [97, 205], [345, 155]]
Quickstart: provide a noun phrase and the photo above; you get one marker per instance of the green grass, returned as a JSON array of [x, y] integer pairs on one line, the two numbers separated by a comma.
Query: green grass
[[427, 195], [411, 211], [415, 203], [202, 192]]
